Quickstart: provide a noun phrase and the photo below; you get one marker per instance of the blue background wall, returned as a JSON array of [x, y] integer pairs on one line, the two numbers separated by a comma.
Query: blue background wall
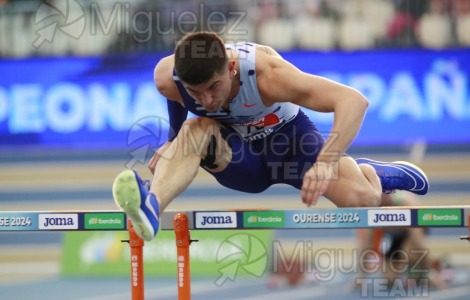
[[111, 103]]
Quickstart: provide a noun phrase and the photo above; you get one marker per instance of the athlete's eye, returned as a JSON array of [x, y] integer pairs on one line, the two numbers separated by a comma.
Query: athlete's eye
[[214, 86]]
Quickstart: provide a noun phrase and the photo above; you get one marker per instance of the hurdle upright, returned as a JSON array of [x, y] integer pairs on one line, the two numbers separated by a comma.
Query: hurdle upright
[[137, 263], [183, 241]]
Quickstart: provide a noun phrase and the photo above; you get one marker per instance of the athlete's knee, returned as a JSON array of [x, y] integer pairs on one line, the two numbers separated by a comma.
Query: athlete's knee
[[363, 196], [208, 139], [195, 134], [366, 194], [199, 127]]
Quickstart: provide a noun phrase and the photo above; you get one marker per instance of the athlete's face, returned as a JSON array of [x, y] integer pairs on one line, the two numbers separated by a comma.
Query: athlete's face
[[214, 93]]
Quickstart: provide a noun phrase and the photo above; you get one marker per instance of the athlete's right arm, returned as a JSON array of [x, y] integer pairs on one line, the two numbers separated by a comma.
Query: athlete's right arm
[[163, 78], [177, 113]]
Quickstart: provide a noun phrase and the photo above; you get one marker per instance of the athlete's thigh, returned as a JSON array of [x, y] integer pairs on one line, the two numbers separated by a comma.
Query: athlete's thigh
[[204, 137], [305, 143], [235, 163], [349, 187]]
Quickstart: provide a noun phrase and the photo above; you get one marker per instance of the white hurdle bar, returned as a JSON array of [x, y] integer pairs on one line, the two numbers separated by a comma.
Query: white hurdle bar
[[184, 221], [337, 218]]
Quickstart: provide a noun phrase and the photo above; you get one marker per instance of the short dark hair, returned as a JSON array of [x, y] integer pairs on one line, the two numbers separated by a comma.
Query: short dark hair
[[198, 56]]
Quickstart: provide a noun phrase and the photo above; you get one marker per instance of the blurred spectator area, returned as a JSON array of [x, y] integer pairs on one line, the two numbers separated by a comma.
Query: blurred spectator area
[[99, 27]]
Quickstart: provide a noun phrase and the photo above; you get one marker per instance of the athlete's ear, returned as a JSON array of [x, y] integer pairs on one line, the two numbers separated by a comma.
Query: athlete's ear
[[231, 68]]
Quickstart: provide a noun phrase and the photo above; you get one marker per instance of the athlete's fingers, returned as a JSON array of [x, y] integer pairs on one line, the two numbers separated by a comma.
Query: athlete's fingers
[[319, 190], [323, 186], [304, 189], [314, 194], [324, 175], [309, 186], [153, 162], [321, 177], [306, 186], [156, 156], [311, 192]]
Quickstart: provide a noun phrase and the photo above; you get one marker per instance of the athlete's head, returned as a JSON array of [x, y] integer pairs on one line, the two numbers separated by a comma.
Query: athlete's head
[[202, 65]]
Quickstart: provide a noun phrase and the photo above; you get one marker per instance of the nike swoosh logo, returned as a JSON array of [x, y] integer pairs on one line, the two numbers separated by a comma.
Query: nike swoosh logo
[[248, 105]]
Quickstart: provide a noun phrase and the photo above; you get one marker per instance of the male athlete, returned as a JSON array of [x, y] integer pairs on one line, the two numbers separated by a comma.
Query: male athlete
[[251, 133]]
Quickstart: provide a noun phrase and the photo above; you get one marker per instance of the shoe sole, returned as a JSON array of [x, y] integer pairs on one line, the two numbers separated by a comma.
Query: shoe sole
[[126, 194], [406, 164]]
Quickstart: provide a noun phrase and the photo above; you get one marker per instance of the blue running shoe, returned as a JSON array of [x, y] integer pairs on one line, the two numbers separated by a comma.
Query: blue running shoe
[[399, 175], [132, 195]]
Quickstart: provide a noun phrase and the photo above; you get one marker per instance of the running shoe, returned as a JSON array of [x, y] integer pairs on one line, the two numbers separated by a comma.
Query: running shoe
[[132, 195], [399, 175]]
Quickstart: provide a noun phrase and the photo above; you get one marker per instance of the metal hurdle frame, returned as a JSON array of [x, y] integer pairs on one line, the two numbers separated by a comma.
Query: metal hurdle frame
[[182, 222]]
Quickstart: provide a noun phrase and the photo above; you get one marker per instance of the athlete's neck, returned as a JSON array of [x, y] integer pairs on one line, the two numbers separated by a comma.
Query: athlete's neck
[[233, 55]]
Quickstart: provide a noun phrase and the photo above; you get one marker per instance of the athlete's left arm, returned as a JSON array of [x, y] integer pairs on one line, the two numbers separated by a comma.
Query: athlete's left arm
[[280, 81]]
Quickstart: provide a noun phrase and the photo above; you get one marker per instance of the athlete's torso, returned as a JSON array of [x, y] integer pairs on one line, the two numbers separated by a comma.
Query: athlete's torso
[[246, 113]]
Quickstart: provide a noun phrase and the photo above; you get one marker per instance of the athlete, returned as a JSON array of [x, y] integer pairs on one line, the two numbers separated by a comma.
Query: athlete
[[251, 133]]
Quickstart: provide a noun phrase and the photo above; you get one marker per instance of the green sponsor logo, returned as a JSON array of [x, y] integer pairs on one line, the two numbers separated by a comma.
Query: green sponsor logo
[[440, 217], [104, 221], [264, 219]]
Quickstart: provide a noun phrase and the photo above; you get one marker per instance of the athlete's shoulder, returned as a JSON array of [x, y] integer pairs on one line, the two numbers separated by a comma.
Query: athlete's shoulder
[[163, 78], [266, 59], [266, 56], [266, 51]]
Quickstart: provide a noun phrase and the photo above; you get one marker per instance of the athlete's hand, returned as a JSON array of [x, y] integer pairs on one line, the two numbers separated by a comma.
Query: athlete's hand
[[316, 181], [154, 160]]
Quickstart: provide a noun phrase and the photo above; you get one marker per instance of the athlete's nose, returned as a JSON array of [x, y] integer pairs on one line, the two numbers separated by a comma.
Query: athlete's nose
[[207, 100]]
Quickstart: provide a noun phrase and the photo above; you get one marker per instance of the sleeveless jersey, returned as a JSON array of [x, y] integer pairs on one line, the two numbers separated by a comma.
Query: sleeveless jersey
[[246, 114]]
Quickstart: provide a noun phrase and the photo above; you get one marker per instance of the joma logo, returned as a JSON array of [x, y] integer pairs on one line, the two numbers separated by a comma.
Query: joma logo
[[399, 217], [58, 221], [216, 219], [389, 218]]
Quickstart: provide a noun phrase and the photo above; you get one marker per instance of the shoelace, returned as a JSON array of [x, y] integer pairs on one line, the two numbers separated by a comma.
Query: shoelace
[[394, 179], [146, 184]]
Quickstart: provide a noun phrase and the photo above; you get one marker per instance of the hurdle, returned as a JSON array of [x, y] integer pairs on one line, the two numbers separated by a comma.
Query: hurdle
[[182, 222]]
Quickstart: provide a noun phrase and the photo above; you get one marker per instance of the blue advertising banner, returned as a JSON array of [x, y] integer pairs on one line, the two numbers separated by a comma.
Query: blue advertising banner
[[80, 102], [111, 102], [19, 221], [326, 218], [413, 94]]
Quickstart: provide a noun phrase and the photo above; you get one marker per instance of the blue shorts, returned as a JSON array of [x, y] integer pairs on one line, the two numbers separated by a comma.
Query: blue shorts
[[281, 157]]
